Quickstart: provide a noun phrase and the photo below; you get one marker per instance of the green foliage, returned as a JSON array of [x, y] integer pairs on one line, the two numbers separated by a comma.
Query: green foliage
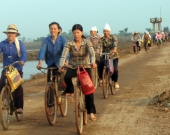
[[149, 30], [166, 29], [124, 32]]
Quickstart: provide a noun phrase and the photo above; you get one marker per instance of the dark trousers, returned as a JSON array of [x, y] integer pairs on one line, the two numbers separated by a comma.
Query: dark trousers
[[54, 72], [138, 47], [17, 94], [89, 99], [115, 64]]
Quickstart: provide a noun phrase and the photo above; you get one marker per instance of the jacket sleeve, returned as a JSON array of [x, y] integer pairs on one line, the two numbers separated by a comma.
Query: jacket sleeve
[[91, 51], [115, 40], [100, 45], [42, 50], [64, 55]]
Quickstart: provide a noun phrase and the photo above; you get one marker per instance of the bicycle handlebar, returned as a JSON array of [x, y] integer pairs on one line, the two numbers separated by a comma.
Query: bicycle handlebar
[[105, 53], [48, 68], [75, 68], [10, 64]]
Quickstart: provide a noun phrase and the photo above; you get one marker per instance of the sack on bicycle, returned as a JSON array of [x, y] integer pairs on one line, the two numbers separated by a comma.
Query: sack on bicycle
[[110, 66], [133, 44], [86, 83], [13, 78]]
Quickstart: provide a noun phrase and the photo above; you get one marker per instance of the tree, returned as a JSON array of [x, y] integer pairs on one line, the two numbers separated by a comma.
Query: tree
[[126, 30], [166, 29], [149, 30], [121, 33]]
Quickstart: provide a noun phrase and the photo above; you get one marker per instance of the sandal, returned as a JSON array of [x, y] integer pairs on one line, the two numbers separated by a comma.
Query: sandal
[[70, 97], [19, 111], [93, 118]]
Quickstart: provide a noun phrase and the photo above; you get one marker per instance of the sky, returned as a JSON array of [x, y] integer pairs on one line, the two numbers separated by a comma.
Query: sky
[[32, 17]]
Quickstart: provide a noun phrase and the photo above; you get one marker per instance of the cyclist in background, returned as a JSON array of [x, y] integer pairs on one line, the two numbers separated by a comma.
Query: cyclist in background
[[107, 44], [159, 38], [146, 38], [135, 39]]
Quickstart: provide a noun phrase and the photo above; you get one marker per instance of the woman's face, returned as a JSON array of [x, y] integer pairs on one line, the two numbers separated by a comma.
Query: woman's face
[[106, 33], [11, 36], [54, 30], [77, 34], [93, 33]]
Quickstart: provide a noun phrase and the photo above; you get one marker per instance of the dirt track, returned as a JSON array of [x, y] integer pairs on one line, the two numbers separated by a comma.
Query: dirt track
[[128, 112]]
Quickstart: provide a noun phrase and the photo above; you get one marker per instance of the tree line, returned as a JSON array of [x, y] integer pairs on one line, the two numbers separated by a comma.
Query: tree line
[[68, 35]]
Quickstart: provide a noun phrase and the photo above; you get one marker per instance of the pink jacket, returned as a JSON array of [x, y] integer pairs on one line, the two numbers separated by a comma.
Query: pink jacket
[[158, 36]]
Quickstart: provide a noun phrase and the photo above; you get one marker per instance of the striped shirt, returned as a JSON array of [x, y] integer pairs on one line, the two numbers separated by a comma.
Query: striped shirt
[[83, 56], [106, 45]]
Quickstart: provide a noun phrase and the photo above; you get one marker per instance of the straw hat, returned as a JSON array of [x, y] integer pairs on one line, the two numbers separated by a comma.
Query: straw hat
[[12, 28]]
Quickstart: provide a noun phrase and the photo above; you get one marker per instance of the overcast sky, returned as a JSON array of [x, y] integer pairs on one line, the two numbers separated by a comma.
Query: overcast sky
[[33, 16]]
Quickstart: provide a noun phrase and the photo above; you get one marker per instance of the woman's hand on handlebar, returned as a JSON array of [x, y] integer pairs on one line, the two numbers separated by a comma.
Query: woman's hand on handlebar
[[21, 63], [60, 70], [94, 65], [39, 66]]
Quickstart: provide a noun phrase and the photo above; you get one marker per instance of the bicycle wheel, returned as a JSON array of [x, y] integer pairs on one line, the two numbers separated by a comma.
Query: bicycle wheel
[[78, 110], [110, 84], [105, 83], [63, 103], [136, 49], [85, 117], [5, 107], [50, 104]]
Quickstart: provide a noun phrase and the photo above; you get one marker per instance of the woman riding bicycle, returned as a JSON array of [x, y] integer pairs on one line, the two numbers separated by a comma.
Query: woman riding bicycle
[[13, 50], [136, 39], [146, 38], [108, 43], [159, 38], [52, 48], [81, 52], [94, 39]]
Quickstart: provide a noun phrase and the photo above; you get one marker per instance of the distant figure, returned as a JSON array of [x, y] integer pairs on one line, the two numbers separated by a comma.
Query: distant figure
[[94, 37], [60, 30], [154, 38], [166, 36], [163, 37], [136, 39], [159, 38], [146, 38]]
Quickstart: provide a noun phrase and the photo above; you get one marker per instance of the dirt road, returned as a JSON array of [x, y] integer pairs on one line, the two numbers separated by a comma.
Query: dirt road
[[128, 112]]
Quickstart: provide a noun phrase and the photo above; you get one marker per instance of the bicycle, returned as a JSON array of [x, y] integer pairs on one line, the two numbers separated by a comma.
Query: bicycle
[[106, 77], [159, 43], [136, 48], [54, 98], [80, 107], [147, 44], [7, 106]]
